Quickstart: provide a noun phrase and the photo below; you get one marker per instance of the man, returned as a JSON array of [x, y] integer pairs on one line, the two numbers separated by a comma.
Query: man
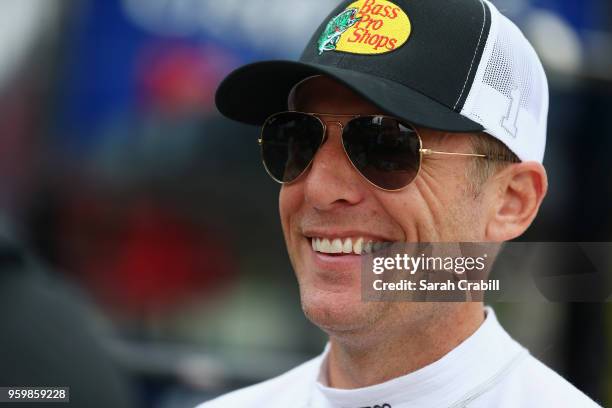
[[410, 121]]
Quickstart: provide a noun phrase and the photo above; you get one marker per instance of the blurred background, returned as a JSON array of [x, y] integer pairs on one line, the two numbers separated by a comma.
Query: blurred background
[[123, 182]]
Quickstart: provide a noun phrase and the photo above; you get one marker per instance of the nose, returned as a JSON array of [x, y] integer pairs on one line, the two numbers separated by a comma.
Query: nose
[[332, 181]]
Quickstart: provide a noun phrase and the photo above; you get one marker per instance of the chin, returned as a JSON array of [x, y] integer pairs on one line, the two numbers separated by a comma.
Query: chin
[[337, 312]]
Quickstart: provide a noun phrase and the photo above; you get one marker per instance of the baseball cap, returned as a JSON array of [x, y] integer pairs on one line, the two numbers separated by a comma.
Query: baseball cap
[[450, 65]]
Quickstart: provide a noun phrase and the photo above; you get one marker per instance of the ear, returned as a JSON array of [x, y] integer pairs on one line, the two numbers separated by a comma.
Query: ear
[[516, 194]]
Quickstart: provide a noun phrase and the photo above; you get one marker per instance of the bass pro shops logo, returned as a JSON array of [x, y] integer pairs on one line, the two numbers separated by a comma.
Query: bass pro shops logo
[[366, 27]]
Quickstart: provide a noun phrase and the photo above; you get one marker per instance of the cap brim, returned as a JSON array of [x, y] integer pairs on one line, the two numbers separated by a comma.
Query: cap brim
[[253, 92]]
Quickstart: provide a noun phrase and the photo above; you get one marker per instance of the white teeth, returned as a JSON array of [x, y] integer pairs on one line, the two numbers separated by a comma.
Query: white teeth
[[357, 246], [336, 246], [347, 247], [325, 246]]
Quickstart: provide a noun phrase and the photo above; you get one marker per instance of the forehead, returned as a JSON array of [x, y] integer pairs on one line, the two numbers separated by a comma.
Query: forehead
[[323, 94]]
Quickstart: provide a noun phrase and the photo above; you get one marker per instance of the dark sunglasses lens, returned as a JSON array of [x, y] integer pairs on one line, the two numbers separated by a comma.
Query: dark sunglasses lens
[[289, 143], [384, 150]]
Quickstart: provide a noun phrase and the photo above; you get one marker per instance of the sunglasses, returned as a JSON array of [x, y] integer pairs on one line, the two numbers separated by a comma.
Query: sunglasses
[[385, 150]]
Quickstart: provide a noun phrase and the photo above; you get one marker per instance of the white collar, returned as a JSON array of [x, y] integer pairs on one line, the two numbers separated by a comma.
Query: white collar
[[467, 370]]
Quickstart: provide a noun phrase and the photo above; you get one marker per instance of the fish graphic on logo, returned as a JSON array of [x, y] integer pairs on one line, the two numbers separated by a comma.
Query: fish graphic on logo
[[335, 28]]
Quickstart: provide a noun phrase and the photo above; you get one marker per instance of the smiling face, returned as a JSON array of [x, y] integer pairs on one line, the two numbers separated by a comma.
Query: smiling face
[[332, 204]]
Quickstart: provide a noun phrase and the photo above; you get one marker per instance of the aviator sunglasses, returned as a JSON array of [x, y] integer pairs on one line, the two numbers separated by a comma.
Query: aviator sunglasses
[[385, 150]]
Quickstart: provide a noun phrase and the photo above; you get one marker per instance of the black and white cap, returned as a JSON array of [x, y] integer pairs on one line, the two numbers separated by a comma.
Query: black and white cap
[[452, 65]]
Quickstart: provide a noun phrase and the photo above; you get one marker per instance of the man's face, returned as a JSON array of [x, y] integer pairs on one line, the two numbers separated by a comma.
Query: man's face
[[332, 200]]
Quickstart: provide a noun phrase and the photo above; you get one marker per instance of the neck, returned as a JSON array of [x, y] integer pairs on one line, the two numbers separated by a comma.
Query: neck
[[396, 351]]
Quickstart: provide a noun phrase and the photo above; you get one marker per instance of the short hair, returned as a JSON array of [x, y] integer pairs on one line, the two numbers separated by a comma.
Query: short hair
[[499, 156]]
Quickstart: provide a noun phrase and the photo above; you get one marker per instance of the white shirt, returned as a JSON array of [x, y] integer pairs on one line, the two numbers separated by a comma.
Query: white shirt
[[489, 369]]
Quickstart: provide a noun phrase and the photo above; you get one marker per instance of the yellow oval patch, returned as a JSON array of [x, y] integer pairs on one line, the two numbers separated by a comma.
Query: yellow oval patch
[[381, 27]]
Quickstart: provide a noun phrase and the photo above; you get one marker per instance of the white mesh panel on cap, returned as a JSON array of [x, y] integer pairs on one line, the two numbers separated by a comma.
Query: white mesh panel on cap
[[509, 96]]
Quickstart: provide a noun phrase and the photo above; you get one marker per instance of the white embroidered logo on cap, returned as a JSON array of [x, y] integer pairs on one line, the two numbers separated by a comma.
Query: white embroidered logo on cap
[[509, 122]]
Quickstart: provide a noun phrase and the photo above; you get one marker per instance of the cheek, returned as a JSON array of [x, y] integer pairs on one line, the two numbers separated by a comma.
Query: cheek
[[448, 212], [426, 212], [289, 203], [409, 211]]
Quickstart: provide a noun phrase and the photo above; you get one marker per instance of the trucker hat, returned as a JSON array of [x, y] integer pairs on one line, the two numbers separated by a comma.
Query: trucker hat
[[450, 65]]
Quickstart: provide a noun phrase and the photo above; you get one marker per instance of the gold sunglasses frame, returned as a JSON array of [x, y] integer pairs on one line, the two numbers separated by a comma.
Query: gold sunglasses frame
[[422, 152]]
